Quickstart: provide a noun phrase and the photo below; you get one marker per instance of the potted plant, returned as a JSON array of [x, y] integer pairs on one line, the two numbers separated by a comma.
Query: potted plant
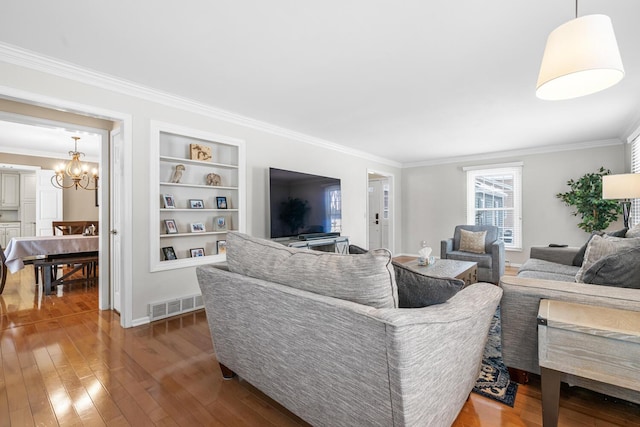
[[586, 196]]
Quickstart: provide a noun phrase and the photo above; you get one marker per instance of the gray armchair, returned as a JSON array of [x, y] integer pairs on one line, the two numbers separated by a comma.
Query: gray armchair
[[490, 264]]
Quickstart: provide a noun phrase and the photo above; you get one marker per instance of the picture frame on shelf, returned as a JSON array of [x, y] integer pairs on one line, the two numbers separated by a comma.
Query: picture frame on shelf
[[197, 227], [222, 247], [196, 252], [220, 223], [168, 201], [221, 202], [200, 152], [170, 226], [169, 253], [196, 204]]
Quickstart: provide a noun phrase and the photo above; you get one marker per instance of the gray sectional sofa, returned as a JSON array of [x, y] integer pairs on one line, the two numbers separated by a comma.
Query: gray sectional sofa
[[550, 273], [322, 334]]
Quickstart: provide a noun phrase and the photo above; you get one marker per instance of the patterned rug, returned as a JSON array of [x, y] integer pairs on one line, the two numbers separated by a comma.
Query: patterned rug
[[494, 381]]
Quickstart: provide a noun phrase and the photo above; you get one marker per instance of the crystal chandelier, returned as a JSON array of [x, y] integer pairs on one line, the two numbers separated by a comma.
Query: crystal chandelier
[[76, 171]]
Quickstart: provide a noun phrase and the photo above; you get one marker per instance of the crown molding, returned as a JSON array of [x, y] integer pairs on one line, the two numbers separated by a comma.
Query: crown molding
[[515, 153], [32, 60]]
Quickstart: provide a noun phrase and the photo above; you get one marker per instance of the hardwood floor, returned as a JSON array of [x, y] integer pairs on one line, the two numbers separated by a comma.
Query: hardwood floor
[[74, 365]]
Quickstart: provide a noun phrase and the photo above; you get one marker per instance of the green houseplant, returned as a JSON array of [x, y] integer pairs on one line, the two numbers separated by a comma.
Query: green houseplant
[[586, 196]]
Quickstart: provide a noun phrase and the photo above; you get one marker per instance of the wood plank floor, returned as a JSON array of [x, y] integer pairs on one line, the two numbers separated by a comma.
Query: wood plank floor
[[76, 366]]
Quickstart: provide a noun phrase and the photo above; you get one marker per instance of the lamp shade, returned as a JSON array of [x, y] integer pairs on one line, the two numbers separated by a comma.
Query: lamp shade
[[581, 57], [623, 186]]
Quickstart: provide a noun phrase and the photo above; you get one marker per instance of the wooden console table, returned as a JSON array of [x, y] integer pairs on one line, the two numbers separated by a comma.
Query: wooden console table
[[593, 342]]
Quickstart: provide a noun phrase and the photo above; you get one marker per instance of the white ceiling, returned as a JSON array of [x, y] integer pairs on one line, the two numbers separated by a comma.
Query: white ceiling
[[47, 141], [411, 81]]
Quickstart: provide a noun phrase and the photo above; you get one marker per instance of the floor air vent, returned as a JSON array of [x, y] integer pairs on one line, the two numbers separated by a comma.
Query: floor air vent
[[161, 309]]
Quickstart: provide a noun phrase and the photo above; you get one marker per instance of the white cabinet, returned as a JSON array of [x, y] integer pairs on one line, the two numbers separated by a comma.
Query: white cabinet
[[198, 194], [9, 191], [7, 232]]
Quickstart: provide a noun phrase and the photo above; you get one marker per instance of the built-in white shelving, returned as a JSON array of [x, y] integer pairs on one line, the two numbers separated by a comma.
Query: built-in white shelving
[[171, 146]]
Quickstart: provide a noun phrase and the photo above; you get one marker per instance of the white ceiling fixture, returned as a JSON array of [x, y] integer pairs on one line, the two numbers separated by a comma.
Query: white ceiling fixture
[[581, 57]]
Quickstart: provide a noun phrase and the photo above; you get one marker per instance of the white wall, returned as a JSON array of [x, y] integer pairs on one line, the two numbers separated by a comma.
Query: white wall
[[435, 198], [263, 150]]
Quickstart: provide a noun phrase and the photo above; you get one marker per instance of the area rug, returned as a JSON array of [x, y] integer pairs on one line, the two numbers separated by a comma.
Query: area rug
[[494, 381]]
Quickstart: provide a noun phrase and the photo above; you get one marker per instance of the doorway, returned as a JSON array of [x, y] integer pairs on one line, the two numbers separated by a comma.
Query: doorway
[[380, 210], [43, 108]]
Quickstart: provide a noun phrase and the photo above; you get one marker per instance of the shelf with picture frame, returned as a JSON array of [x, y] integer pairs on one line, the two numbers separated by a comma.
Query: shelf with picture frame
[[193, 188]]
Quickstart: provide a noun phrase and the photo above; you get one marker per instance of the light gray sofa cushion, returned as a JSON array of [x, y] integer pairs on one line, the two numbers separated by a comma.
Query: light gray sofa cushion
[[548, 270], [366, 279]]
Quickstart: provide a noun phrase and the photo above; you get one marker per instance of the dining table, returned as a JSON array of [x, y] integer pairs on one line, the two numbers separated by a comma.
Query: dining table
[[46, 248]]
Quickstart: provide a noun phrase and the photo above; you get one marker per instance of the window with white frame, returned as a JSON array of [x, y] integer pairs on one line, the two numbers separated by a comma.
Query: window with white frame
[[494, 197], [333, 203], [635, 168]]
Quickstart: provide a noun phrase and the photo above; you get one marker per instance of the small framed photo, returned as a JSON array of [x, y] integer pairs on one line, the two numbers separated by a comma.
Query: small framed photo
[[170, 226], [169, 203], [196, 204], [197, 252], [221, 202], [222, 247], [219, 223], [197, 227], [169, 253], [200, 152]]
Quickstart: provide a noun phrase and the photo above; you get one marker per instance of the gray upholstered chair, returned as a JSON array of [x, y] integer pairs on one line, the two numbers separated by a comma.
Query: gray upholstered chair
[[490, 263]]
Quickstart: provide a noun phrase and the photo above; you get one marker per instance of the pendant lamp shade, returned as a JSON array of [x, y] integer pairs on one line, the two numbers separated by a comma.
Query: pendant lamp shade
[[581, 57]]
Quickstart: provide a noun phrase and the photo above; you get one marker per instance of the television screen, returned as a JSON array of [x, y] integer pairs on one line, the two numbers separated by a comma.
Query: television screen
[[301, 203]]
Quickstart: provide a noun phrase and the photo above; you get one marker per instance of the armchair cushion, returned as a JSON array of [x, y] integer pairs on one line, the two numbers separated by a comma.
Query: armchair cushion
[[473, 241], [483, 260], [330, 274]]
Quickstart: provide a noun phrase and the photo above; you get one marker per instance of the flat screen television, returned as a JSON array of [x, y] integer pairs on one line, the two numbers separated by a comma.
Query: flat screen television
[[303, 205]]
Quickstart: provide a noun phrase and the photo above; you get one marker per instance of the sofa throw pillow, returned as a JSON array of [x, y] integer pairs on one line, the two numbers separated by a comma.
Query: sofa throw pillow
[[472, 241], [603, 246], [579, 258], [354, 250], [366, 279], [634, 231], [621, 269], [418, 290]]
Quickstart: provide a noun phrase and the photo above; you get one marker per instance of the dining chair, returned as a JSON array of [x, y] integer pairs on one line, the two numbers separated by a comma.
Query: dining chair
[[3, 270]]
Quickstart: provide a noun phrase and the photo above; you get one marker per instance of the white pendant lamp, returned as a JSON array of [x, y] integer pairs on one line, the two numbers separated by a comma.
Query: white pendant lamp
[[581, 57]]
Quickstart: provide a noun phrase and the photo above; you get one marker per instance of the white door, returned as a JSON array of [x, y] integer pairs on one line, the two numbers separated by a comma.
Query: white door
[[116, 194], [380, 211], [375, 215], [48, 203], [28, 218]]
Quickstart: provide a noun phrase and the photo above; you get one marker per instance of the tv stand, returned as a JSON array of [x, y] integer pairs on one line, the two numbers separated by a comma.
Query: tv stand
[[313, 236], [338, 244]]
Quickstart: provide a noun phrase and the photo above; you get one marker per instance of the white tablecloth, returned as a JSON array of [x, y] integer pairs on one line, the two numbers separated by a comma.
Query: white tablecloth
[[22, 247]]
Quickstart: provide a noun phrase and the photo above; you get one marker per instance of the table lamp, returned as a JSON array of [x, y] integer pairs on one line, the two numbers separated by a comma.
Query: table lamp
[[623, 187]]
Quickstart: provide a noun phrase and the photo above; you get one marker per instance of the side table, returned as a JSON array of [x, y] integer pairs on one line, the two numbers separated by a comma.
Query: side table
[[593, 342]]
